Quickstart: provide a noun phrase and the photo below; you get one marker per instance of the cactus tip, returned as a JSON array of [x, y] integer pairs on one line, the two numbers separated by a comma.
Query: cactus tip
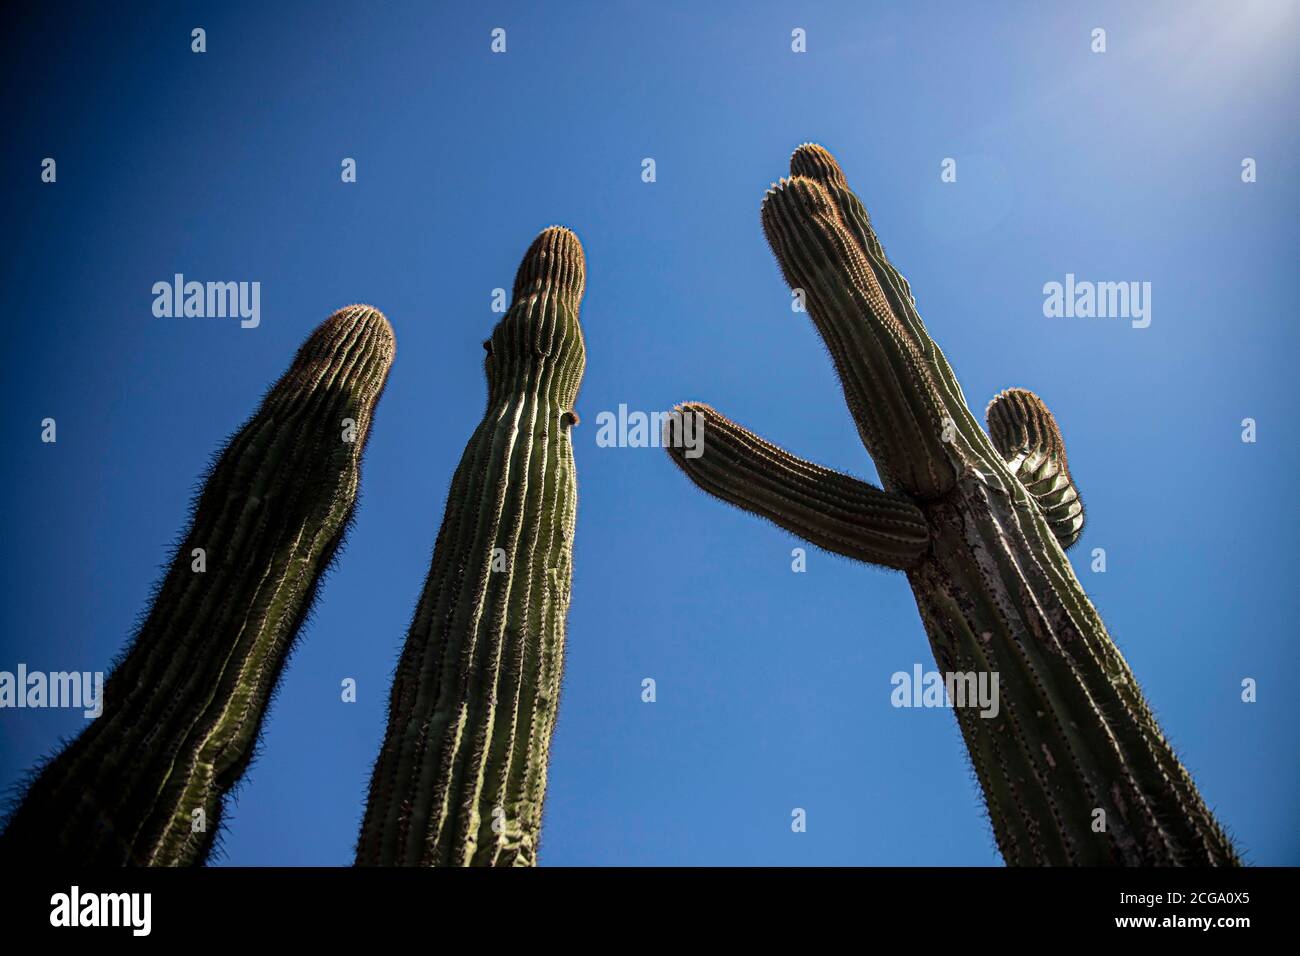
[[360, 314], [815, 162], [797, 192], [355, 322], [555, 258]]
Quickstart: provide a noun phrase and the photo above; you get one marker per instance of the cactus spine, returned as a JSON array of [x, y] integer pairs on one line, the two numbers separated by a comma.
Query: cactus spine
[[461, 773], [144, 783], [979, 527]]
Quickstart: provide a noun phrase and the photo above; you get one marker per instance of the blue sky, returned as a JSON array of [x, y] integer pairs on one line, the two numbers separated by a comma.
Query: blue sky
[[773, 687]]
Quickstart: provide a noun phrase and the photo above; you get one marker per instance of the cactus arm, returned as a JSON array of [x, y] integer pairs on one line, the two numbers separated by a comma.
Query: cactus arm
[[183, 707], [813, 162], [1027, 437], [826, 508], [461, 773], [887, 385]]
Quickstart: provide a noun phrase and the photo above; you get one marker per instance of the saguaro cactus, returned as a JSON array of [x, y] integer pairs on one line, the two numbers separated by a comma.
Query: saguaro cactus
[[462, 770], [143, 784], [1073, 767]]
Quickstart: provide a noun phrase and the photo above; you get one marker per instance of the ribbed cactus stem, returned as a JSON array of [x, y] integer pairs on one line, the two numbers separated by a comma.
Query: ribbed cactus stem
[[814, 163], [831, 510], [1073, 766], [1027, 437], [144, 783], [461, 773], [892, 399]]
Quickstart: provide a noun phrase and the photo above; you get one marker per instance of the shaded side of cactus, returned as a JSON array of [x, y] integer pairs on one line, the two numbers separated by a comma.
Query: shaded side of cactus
[[144, 783], [1073, 766], [461, 773]]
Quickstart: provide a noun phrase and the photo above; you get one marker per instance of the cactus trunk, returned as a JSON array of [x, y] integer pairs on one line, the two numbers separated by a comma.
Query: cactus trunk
[[144, 783], [1073, 766], [1072, 735], [461, 773]]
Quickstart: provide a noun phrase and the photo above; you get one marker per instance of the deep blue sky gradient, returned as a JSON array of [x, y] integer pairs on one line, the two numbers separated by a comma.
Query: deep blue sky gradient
[[773, 687]]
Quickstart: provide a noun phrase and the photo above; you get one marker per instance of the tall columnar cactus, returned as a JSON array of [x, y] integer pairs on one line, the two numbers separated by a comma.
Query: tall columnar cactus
[[461, 774], [144, 783], [979, 527]]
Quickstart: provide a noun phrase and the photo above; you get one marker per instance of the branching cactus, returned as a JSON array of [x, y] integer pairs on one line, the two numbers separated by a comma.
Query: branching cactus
[[461, 773], [1073, 766], [144, 783]]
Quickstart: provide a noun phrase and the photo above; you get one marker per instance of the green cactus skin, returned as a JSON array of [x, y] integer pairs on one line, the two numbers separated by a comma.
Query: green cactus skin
[[995, 590], [830, 510], [461, 773], [183, 707], [1026, 435]]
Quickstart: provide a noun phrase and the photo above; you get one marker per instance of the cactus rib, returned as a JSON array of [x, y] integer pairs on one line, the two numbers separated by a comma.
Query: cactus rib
[[1073, 766], [1027, 437], [461, 773], [831, 510], [144, 783]]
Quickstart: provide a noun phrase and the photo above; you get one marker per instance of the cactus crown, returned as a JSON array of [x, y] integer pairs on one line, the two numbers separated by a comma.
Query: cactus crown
[[1027, 437], [538, 342]]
